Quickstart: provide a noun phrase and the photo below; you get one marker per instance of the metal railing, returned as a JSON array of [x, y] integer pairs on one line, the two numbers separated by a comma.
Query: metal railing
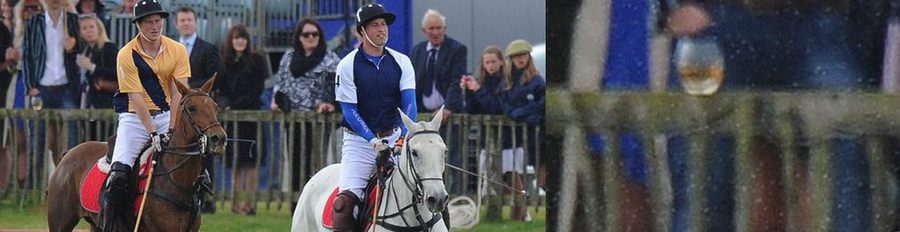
[[274, 137], [802, 129]]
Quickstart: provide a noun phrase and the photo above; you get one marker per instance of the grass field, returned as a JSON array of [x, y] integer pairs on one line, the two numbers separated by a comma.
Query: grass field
[[11, 217]]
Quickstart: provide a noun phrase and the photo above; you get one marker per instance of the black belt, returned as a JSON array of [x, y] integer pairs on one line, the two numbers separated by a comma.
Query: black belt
[[157, 112], [378, 134], [54, 88]]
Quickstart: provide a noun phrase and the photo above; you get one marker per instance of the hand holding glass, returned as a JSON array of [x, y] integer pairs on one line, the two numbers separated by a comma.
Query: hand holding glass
[[700, 65]]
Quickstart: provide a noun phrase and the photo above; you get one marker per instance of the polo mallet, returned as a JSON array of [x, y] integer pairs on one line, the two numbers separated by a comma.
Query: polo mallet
[[487, 179], [146, 192]]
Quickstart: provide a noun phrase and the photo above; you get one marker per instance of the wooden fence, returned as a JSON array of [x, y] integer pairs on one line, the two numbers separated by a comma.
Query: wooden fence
[[787, 185], [317, 134]]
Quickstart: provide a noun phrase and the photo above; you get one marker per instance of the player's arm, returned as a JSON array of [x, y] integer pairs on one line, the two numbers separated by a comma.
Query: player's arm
[[175, 105], [351, 114], [407, 94], [345, 92], [140, 108]]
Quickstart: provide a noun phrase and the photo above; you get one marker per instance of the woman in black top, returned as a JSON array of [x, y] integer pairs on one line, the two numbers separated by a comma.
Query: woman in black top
[[7, 58], [240, 86], [97, 63]]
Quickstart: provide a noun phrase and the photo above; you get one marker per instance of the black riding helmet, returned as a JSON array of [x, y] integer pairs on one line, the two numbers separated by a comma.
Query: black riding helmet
[[144, 8], [372, 11]]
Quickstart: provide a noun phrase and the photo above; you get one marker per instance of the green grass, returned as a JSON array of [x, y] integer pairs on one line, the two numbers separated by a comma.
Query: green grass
[[266, 219]]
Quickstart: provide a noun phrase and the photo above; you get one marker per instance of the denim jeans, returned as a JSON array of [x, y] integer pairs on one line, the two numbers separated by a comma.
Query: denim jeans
[[58, 98]]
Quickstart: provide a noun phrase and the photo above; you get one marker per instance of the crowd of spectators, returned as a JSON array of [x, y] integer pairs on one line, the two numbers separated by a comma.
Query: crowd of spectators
[[59, 52]]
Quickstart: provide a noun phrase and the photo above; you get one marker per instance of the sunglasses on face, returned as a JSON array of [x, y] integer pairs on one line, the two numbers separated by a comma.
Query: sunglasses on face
[[32, 8], [310, 34]]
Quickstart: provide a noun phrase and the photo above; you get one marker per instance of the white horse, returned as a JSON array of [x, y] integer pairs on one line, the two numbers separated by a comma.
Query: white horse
[[414, 194]]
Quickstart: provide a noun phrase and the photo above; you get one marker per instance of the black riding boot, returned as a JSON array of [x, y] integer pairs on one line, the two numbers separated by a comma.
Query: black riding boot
[[343, 211], [117, 197]]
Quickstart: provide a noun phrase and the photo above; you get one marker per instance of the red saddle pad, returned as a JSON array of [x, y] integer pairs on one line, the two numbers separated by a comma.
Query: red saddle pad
[[328, 211], [93, 183]]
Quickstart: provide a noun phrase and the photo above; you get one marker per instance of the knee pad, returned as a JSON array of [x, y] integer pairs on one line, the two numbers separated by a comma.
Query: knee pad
[[118, 183], [345, 201], [343, 206]]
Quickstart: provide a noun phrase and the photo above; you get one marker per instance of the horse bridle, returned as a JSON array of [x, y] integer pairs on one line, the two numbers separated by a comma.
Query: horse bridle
[[191, 150], [201, 131], [201, 145], [418, 195]]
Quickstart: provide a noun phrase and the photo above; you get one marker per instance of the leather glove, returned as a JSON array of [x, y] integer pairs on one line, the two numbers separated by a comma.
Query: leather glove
[[380, 145], [157, 141], [398, 146]]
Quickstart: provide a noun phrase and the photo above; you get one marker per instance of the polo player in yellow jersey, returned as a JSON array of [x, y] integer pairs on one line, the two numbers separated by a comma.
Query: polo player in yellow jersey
[[147, 68]]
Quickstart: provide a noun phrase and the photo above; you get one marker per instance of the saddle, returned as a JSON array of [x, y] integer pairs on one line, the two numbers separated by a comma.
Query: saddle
[[93, 188], [366, 206]]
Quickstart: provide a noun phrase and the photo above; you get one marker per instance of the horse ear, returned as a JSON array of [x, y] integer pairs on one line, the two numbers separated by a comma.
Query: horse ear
[[406, 120], [209, 83], [436, 120], [181, 87]]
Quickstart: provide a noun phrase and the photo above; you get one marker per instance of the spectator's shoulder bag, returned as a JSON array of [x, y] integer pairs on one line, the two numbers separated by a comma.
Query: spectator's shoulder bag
[[282, 101]]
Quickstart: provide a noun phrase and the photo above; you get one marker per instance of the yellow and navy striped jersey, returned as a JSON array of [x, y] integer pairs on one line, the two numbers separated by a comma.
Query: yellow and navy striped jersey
[[140, 73]]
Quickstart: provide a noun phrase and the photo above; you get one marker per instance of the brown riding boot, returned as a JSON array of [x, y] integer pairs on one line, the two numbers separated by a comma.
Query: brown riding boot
[[343, 211]]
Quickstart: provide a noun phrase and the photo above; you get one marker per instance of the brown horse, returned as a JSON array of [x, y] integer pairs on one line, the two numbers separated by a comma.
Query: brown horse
[[171, 204]]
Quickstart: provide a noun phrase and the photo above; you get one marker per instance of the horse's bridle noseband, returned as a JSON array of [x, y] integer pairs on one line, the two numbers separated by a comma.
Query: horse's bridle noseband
[[418, 195], [201, 131]]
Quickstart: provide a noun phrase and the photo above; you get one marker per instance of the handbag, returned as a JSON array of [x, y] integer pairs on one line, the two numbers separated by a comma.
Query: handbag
[[103, 85], [282, 101]]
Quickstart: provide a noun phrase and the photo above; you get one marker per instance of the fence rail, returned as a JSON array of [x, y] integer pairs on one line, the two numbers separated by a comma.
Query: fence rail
[[283, 169], [787, 160]]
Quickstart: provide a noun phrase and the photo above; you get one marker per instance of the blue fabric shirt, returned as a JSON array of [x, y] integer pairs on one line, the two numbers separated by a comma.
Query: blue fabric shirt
[[374, 86]]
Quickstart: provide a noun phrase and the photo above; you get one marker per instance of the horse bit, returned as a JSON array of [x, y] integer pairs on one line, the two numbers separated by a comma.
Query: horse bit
[[417, 194]]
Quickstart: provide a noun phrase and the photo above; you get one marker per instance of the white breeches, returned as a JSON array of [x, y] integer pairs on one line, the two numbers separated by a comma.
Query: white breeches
[[358, 161], [131, 135]]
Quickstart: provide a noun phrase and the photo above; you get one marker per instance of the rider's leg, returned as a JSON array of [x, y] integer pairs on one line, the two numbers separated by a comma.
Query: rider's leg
[[131, 137], [358, 163]]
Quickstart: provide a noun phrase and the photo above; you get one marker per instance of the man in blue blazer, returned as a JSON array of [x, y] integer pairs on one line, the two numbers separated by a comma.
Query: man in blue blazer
[[439, 63]]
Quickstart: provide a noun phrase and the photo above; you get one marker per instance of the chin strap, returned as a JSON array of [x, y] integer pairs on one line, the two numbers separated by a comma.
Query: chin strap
[[366, 35]]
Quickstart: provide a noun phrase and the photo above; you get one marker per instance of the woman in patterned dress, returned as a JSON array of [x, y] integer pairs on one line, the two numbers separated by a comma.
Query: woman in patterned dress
[[305, 83]]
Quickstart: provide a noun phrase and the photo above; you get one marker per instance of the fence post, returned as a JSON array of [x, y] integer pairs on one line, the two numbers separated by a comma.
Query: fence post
[[743, 163], [698, 167], [784, 120], [495, 206], [881, 213], [820, 181]]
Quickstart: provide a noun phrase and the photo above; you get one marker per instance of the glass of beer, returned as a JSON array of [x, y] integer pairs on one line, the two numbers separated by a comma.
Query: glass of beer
[[700, 65], [37, 103]]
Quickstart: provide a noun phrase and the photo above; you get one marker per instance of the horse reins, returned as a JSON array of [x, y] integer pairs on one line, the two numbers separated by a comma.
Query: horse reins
[[189, 150], [417, 194]]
